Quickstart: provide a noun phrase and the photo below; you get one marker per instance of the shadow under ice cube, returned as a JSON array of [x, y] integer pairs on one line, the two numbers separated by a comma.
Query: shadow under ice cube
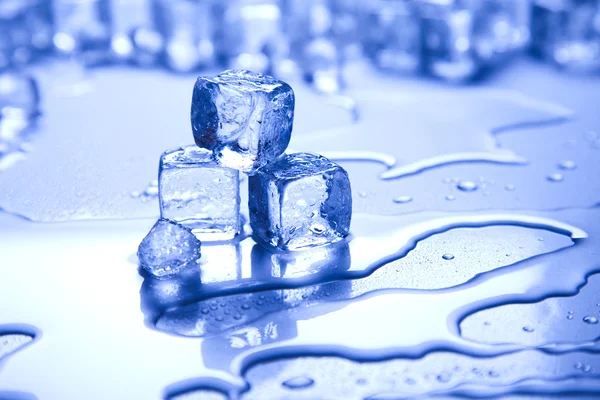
[[199, 194], [301, 200], [244, 117]]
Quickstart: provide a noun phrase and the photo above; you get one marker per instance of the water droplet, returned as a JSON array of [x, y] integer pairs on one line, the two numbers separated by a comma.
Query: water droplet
[[134, 194], [540, 239], [219, 318], [363, 194], [493, 374], [590, 320], [299, 382], [410, 381], [448, 256], [578, 365], [444, 377], [570, 316], [245, 306], [237, 317], [361, 381], [467, 186], [587, 368], [567, 164], [510, 187], [528, 329], [555, 177], [450, 197], [403, 199]]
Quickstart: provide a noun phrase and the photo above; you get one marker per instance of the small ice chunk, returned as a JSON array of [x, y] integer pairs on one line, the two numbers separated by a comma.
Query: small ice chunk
[[168, 248], [301, 200], [244, 117], [199, 194]]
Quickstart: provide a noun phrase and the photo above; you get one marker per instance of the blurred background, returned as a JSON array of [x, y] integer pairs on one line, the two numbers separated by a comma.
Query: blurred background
[[436, 108]]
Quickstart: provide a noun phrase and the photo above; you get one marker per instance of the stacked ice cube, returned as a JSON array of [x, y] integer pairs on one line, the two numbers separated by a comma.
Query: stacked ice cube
[[242, 121]]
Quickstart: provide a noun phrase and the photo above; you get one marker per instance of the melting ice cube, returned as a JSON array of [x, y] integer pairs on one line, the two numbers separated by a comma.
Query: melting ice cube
[[301, 200], [244, 117], [198, 193]]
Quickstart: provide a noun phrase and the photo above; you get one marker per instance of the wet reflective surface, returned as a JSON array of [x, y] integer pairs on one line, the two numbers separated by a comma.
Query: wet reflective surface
[[470, 269]]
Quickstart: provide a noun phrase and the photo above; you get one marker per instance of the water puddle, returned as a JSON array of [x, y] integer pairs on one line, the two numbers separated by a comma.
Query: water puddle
[[358, 329], [251, 282]]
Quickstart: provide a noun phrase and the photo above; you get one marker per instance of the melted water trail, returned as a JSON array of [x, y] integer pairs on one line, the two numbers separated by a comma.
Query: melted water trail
[[402, 155], [568, 386], [245, 268], [447, 159], [354, 331], [15, 337]]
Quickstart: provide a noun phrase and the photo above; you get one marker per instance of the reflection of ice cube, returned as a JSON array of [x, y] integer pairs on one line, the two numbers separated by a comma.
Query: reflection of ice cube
[[324, 260], [168, 248], [244, 117], [301, 200], [199, 194], [567, 33], [187, 27], [391, 35], [220, 263]]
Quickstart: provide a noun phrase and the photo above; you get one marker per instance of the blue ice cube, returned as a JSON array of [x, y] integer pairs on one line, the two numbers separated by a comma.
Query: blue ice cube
[[245, 30], [82, 28], [391, 35], [126, 16], [301, 200], [244, 117], [448, 42], [187, 27], [567, 33], [168, 248], [148, 46], [199, 194], [19, 95]]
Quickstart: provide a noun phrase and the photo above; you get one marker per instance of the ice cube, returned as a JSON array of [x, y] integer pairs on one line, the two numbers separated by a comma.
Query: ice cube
[[83, 28], [198, 193], [448, 40], [301, 200], [246, 29], [126, 16], [148, 46], [391, 35], [244, 117], [187, 27], [19, 96], [567, 33], [168, 248]]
